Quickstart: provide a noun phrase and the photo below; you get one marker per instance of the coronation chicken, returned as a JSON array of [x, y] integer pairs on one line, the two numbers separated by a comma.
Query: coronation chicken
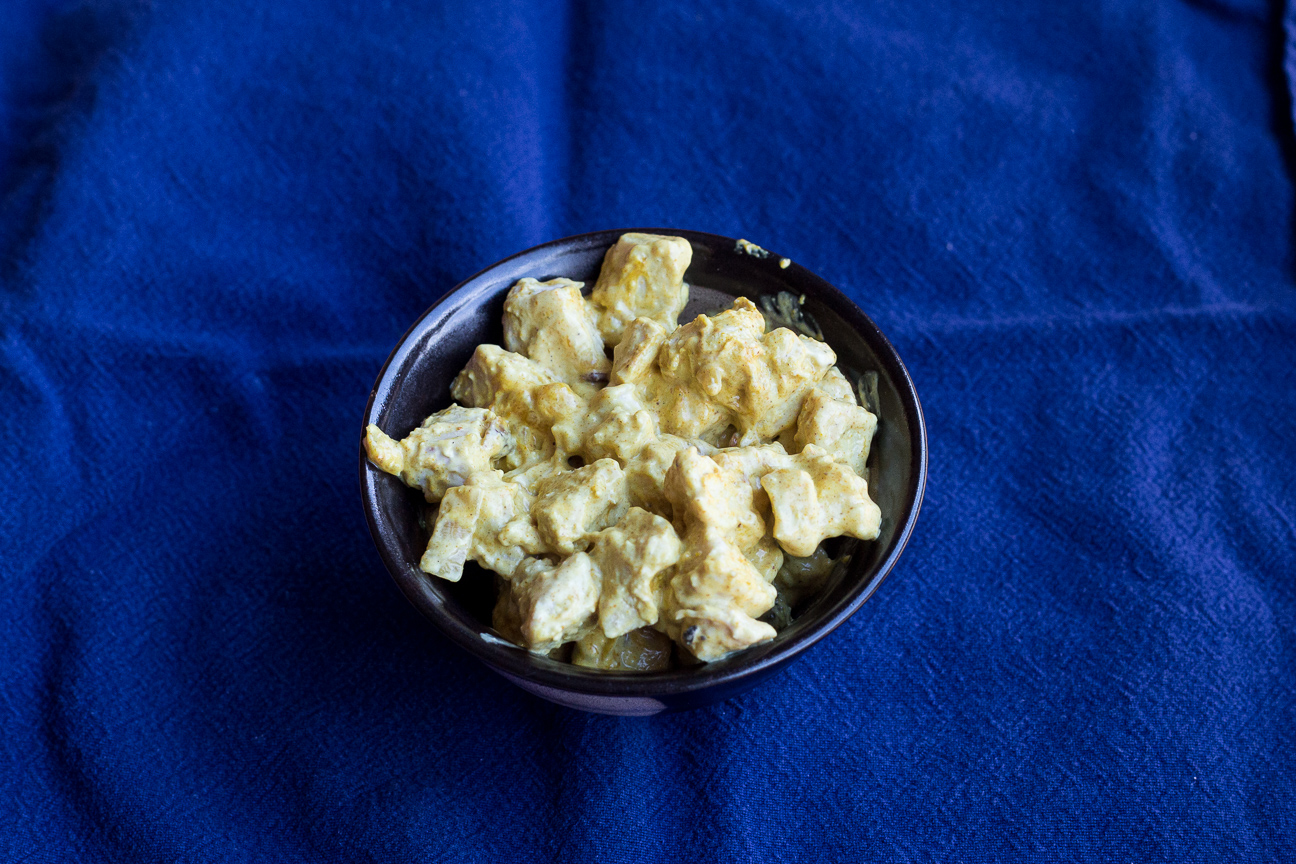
[[754, 380], [469, 526], [451, 446], [819, 498], [550, 323], [571, 506], [679, 490], [549, 604], [510, 385], [642, 277], [631, 557], [843, 429]]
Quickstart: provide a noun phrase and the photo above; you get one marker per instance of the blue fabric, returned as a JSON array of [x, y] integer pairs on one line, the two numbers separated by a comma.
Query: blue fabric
[[1073, 220]]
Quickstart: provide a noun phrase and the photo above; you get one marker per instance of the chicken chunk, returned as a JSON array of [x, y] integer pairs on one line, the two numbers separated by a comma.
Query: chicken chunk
[[631, 556], [646, 472], [834, 384], [635, 356], [450, 447], [551, 323], [714, 599], [680, 410], [819, 498], [843, 430], [549, 604], [642, 277], [512, 386], [615, 424], [753, 462], [571, 506], [748, 465], [757, 380], [468, 527], [702, 494]]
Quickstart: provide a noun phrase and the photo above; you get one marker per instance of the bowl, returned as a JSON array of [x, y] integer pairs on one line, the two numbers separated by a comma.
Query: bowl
[[415, 382]]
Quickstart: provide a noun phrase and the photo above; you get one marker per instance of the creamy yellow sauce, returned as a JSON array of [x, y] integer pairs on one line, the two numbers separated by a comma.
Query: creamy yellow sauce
[[678, 491]]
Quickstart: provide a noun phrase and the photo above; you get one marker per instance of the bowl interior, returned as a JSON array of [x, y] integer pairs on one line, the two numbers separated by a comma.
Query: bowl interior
[[416, 382]]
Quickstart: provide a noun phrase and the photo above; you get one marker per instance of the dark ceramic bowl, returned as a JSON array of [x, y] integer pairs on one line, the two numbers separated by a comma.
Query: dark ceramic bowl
[[416, 382]]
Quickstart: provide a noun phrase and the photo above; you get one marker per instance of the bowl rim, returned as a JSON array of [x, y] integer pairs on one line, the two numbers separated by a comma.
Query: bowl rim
[[515, 661]]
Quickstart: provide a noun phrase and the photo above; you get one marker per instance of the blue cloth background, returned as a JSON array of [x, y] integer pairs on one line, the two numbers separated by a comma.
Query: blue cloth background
[[1075, 221]]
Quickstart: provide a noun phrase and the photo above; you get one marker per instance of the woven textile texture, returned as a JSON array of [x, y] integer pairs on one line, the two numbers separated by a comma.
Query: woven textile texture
[[1074, 221]]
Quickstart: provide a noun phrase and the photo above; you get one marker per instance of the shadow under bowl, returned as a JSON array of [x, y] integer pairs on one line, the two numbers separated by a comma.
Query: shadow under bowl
[[415, 382]]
